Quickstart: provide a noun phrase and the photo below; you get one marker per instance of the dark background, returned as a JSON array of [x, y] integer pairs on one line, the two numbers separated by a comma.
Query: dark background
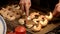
[[44, 4], [36, 4]]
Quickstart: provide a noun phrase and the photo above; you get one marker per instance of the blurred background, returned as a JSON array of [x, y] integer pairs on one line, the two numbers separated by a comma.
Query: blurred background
[[36, 4]]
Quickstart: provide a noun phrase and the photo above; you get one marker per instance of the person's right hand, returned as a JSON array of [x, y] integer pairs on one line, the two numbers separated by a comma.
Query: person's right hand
[[25, 5]]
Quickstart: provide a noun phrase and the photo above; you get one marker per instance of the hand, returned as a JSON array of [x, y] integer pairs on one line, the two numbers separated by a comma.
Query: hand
[[58, 7], [25, 5], [56, 10]]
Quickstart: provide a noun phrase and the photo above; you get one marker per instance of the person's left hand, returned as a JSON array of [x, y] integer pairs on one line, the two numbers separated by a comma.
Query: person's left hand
[[56, 11]]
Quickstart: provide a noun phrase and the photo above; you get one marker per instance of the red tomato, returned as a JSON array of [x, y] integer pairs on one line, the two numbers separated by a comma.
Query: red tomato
[[20, 30]]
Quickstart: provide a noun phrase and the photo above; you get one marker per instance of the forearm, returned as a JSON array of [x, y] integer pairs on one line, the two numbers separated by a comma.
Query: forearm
[[54, 12]]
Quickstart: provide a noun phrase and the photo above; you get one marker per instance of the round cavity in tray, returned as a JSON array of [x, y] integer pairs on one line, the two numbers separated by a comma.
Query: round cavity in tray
[[11, 16], [17, 13]]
